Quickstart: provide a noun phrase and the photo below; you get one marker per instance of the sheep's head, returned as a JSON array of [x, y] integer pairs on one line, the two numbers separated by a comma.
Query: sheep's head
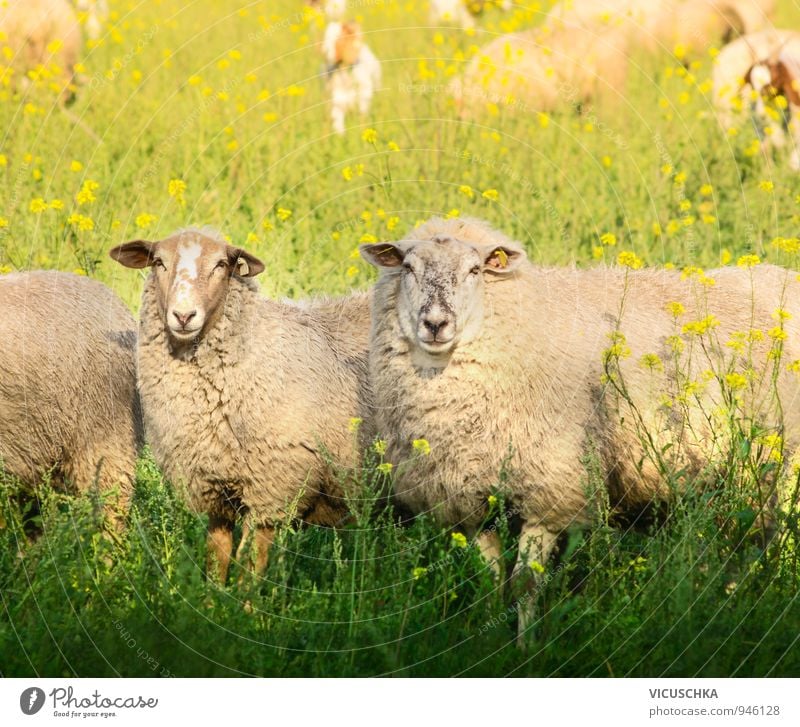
[[192, 271], [440, 294]]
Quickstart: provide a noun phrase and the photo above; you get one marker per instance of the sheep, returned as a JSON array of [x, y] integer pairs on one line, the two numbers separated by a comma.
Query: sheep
[[499, 364], [751, 71], [658, 24], [96, 13], [353, 70], [456, 12], [68, 401], [40, 32], [542, 70], [246, 400]]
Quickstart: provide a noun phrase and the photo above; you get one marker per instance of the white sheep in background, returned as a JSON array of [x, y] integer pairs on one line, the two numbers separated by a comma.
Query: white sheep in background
[[752, 67], [68, 401], [451, 12], [354, 73], [96, 12], [536, 70], [33, 28], [483, 354], [244, 398], [662, 24]]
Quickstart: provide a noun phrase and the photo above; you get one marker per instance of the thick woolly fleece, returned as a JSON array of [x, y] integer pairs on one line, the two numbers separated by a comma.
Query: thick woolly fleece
[[526, 394], [68, 397], [243, 421]]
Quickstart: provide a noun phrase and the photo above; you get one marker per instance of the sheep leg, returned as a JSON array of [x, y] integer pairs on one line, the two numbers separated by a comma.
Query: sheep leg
[[489, 544], [536, 544], [265, 534], [220, 546], [102, 469]]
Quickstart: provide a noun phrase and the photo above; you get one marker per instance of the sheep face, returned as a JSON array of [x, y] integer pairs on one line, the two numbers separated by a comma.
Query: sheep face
[[192, 272], [440, 285]]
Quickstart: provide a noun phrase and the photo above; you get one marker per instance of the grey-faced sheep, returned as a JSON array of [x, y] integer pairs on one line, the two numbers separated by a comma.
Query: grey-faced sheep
[[245, 398], [42, 33], [482, 354], [68, 402]]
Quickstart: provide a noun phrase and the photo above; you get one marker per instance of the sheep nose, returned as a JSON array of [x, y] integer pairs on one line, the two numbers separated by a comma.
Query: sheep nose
[[434, 325], [184, 318]]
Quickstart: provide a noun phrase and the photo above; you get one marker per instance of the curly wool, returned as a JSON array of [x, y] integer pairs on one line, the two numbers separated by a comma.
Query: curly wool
[[68, 400], [248, 418], [526, 394]]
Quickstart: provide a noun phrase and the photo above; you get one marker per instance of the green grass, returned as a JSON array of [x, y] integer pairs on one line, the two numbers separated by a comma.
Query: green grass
[[655, 600], [686, 595]]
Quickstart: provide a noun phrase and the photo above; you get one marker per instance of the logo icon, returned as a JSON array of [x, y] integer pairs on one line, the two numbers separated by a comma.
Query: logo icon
[[31, 700]]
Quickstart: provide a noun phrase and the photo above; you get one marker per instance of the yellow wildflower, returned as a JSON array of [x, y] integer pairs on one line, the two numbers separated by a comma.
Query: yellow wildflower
[[675, 309], [459, 540], [735, 381], [145, 220], [629, 259], [421, 446], [748, 261]]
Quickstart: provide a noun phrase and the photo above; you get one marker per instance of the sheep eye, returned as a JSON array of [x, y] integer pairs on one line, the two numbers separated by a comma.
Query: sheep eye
[[159, 263], [475, 270], [222, 264], [407, 266]]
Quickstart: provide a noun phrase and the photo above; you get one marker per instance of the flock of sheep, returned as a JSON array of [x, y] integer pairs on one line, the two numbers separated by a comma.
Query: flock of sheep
[[248, 404], [259, 410]]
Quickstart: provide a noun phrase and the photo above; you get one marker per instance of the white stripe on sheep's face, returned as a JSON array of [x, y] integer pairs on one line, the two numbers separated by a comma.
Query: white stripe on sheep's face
[[192, 272], [440, 288]]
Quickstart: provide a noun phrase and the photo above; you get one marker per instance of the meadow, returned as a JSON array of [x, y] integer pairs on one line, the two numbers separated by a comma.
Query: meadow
[[215, 113]]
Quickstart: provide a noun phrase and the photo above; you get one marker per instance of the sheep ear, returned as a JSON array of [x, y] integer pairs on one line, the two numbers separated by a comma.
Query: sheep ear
[[243, 264], [134, 254], [382, 254], [503, 259]]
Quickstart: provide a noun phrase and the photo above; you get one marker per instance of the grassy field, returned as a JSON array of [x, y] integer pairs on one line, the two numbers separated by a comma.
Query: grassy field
[[215, 113]]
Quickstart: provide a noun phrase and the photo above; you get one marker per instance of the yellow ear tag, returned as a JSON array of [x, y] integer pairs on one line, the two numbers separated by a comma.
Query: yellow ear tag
[[502, 256], [242, 266]]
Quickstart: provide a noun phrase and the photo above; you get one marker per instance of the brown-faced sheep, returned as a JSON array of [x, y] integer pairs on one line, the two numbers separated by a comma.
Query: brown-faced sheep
[[68, 402], [748, 76], [42, 33], [482, 354], [245, 398]]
